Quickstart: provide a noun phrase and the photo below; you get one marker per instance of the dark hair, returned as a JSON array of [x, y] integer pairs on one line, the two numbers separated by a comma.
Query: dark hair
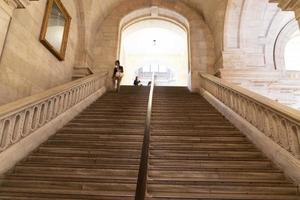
[[117, 61]]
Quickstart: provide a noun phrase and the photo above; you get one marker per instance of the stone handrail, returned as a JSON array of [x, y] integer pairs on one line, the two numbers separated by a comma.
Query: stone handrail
[[278, 122], [22, 117]]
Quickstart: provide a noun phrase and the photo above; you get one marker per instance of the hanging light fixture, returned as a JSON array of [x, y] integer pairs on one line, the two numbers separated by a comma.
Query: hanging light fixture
[[154, 42]]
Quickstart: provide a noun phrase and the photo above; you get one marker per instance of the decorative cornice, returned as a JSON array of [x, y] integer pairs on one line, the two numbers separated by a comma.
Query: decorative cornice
[[289, 5], [10, 5]]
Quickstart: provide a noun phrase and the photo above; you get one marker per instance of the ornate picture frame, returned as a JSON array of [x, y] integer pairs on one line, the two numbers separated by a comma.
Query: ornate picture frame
[[55, 28]]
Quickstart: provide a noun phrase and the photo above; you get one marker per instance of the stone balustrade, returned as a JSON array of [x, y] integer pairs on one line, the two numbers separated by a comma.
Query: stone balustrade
[[278, 122], [21, 118]]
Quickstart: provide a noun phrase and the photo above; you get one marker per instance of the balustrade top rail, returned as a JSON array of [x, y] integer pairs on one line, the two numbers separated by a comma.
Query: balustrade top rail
[[143, 169], [7, 109], [266, 102]]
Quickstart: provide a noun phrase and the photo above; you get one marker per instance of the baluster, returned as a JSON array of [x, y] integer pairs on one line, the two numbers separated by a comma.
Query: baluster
[[35, 118], [260, 118], [236, 103], [60, 104], [64, 102], [254, 115], [50, 110], [266, 123], [16, 133], [73, 97], [248, 111], [55, 107], [229, 98], [233, 101], [69, 94], [27, 123], [293, 139], [42, 114], [222, 94], [275, 130], [283, 135], [239, 105], [67, 100], [4, 136], [81, 93], [244, 108], [84, 91], [89, 89]]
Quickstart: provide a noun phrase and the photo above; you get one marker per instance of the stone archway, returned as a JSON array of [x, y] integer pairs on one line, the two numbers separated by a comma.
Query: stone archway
[[165, 20], [250, 31], [155, 44], [202, 54]]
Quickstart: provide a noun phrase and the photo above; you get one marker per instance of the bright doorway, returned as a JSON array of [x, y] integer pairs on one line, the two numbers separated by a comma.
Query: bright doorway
[[158, 46]]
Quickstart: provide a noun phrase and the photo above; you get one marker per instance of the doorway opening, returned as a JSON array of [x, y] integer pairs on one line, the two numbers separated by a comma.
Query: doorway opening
[[155, 46]]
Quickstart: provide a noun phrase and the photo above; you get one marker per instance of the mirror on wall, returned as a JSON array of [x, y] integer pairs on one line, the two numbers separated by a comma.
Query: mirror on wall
[[55, 28]]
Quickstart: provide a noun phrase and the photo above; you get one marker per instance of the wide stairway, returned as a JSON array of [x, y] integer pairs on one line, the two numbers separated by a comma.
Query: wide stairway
[[195, 154], [95, 156]]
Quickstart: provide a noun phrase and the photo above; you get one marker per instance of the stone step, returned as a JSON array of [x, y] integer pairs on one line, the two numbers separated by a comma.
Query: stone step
[[199, 190], [196, 154], [216, 196]]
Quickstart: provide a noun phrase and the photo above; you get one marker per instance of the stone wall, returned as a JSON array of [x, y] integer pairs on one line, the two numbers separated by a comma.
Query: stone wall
[[213, 12], [26, 66]]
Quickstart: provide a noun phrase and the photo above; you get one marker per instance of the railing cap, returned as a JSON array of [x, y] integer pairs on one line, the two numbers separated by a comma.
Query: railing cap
[[17, 105]]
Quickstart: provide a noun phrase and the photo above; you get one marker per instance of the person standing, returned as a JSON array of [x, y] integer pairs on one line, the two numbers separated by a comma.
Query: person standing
[[117, 75]]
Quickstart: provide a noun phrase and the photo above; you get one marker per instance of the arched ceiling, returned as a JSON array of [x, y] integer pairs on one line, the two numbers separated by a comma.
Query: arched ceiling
[[213, 12], [210, 10]]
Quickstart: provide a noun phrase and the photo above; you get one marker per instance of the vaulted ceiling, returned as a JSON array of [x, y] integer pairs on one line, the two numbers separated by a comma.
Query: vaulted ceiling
[[211, 9], [213, 12]]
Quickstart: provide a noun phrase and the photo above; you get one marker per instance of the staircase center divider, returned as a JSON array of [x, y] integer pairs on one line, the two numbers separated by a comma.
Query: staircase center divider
[[141, 186]]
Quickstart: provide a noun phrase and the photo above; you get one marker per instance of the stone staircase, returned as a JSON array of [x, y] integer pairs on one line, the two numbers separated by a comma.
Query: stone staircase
[[95, 156], [195, 154]]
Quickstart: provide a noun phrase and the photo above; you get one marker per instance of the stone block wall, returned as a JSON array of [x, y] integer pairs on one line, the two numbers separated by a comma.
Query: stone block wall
[[26, 66]]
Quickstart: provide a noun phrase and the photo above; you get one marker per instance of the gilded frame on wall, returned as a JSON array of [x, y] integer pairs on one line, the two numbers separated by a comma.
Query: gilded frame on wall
[[55, 28]]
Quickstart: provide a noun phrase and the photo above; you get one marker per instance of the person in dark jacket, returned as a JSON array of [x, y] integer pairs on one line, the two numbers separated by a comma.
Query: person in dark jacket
[[117, 75], [137, 82]]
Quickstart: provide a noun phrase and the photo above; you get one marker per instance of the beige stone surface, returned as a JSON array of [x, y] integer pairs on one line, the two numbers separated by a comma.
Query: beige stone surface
[[213, 12], [27, 67], [202, 53], [4, 24]]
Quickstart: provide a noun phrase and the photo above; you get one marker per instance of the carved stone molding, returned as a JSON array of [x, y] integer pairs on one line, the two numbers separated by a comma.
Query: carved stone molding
[[289, 5], [10, 5]]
